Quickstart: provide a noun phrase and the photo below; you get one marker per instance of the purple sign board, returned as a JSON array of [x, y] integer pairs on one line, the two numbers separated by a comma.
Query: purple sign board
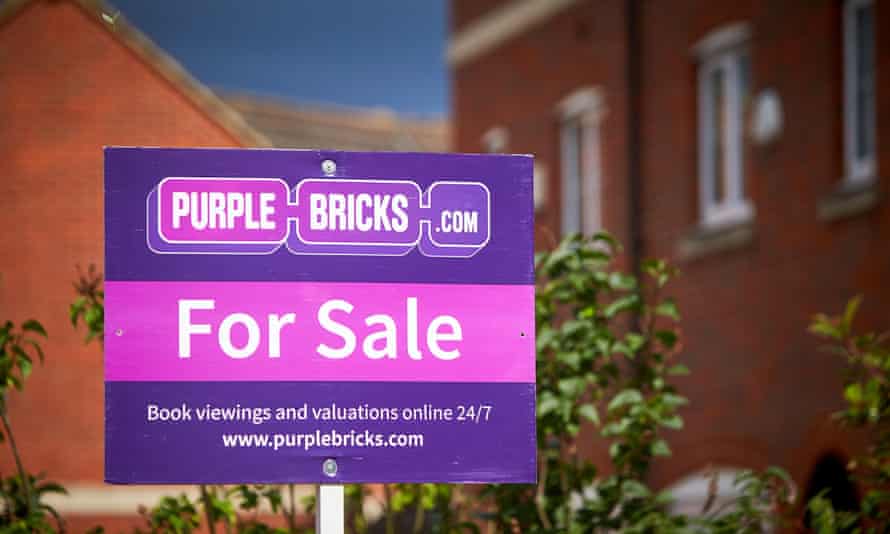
[[263, 317]]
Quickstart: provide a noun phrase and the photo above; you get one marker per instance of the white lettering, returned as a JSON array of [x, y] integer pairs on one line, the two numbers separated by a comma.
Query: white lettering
[[413, 350], [336, 211], [324, 319], [388, 335], [361, 202], [276, 323], [217, 210], [399, 204], [234, 208], [225, 336], [434, 336], [180, 207], [186, 328], [199, 213], [267, 210], [318, 215]]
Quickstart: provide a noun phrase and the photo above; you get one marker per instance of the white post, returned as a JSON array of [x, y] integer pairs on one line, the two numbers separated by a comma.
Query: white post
[[330, 511]]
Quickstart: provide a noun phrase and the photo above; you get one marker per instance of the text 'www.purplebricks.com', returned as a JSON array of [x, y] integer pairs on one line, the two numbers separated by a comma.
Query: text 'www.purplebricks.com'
[[332, 438]]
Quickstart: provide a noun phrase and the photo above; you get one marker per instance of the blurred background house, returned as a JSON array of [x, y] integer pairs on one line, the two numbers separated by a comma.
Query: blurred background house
[[286, 124], [74, 77], [744, 141]]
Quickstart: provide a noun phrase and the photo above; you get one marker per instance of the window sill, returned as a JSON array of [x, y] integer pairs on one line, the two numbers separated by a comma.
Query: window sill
[[849, 200], [706, 241]]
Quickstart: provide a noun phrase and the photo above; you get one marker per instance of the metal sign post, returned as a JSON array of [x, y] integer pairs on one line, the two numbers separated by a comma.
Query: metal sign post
[[267, 310]]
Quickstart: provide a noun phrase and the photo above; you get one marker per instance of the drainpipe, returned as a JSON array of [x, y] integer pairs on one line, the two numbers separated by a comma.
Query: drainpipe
[[633, 74]]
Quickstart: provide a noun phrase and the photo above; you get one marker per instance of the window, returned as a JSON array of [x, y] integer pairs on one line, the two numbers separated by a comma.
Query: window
[[859, 91], [723, 75], [708, 490], [496, 139], [712, 486], [580, 162]]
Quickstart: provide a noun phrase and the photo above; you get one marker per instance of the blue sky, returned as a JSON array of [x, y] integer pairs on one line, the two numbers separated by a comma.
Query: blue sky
[[387, 53]]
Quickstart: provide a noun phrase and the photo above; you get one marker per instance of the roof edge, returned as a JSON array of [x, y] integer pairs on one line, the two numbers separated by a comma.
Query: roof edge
[[10, 8], [163, 64]]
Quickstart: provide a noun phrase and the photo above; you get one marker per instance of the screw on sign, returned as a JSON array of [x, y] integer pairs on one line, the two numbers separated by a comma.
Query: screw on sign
[[318, 317]]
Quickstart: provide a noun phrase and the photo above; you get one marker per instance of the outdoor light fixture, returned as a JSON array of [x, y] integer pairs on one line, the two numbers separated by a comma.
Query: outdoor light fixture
[[767, 118]]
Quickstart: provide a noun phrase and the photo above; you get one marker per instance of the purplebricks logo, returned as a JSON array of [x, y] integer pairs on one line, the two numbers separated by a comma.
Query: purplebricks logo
[[202, 215]]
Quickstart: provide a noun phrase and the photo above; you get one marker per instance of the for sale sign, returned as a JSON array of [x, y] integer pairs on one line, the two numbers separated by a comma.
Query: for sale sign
[[311, 316]]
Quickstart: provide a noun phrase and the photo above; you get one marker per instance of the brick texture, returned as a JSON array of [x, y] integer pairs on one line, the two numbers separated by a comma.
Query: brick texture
[[761, 390]]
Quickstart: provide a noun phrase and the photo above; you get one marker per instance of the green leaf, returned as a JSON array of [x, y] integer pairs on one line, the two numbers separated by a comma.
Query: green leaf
[[570, 328], [76, 309], [853, 393], [673, 400], [622, 282], [22, 355], [678, 370], [634, 341], [778, 472], [668, 308], [668, 338], [51, 487], [547, 403], [674, 422], [571, 359], [589, 412], [825, 326], [92, 315], [545, 338], [605, 237], [622, 304], [634, 489], [34, 326], [660, 448], [573, 386], [37, 349], [850, 313], [26, 366], [628, 396]]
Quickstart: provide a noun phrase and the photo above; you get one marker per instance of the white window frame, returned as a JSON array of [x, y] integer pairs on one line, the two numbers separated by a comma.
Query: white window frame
[[858, 170], [722, 50], [496, 139], [690, 493], [581, 114]]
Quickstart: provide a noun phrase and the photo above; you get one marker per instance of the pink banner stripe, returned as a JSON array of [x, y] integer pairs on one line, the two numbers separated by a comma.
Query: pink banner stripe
[[143, 341]]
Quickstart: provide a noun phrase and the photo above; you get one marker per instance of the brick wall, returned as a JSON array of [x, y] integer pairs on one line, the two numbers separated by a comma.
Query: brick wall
[[760, 389], [519, 84]]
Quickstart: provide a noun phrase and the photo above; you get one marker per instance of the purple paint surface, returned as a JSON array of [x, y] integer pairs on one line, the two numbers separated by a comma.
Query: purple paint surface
[[142, 319], [132, 174], [499, 449]]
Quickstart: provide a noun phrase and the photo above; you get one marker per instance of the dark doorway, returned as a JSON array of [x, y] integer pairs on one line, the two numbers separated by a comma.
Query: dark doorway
[[831, 474]]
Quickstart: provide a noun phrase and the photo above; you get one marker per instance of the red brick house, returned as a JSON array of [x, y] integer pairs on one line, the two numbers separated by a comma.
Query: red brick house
[[74, 77], [745, 141]]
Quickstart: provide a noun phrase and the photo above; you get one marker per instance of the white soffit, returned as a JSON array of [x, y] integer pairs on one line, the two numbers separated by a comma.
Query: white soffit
[[501, 24], [722, 38]]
